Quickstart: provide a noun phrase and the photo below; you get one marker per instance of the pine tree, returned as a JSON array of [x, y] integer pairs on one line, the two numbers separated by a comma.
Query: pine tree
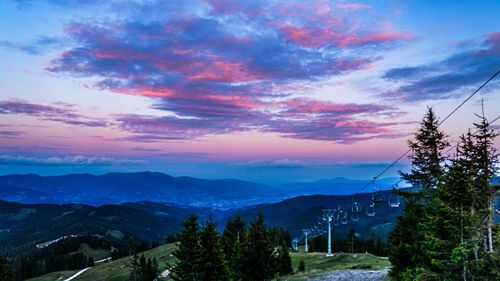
[[135, 271], [233, 239], [259, 252], [352, 239], [211, 263], [284, 260], [6, 272], [486, 158], [452, 238], [188, 252], [302, 266], [280, 239], [143, 268], [408, 255], [426, 157], [453, 220], [149, 269]]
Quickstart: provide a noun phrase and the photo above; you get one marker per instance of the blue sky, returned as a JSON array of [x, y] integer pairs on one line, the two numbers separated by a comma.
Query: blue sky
[[261, 90]]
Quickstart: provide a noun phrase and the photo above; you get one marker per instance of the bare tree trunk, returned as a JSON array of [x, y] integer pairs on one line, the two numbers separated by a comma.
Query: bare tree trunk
[[464, 261], [474, 241], [491, 213]]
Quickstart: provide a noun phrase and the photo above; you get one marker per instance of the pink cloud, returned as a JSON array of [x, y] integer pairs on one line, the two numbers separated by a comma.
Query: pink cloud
[[352, 6], [57, 112], [317, 37], [223, 72]]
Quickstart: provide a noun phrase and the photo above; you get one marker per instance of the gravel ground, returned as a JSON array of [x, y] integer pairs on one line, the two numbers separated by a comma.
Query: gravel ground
[[353, 275]]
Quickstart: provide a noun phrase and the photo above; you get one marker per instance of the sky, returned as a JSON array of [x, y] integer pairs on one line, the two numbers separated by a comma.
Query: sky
[[268, 91]]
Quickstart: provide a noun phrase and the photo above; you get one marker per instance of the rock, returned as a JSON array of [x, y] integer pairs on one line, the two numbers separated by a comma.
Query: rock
[[353, 275]]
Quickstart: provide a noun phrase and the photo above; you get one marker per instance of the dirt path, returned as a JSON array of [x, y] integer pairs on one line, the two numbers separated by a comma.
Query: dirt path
[[353, 275], [77, 274]]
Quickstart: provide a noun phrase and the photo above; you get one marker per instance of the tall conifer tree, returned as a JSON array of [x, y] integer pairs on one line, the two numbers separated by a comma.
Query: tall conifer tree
[[233, 239], [211, 267], [408, 254], [259, 252], [6, 272], [188, 252]]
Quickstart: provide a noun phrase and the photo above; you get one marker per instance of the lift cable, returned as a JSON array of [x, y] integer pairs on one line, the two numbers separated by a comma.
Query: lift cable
[[451, 148], [439, 124]]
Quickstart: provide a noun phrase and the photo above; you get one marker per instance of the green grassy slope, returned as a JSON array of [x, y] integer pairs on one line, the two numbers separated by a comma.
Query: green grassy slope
[[96, 254], [316, 263], [118, 270], [54, 276]]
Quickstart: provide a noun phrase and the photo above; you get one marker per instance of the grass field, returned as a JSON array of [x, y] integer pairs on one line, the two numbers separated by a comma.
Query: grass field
[[118, 270], [54, 276], [315, 263], [96, 254]]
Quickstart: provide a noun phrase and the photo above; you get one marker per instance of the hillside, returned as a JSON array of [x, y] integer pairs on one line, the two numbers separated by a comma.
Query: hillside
[[29, 224], [117, 270], [316, 265], [24, 225], [302, 212]]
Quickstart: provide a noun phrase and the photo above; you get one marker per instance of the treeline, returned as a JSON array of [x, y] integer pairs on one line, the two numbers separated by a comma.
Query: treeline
[[6, 270], [142, 269], [64, 255], [447, 231], [132, 247], [59, 256], [374, 245], [250, 252]]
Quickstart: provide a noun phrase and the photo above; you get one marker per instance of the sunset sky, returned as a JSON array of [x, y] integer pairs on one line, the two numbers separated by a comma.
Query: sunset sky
[[267, 91]]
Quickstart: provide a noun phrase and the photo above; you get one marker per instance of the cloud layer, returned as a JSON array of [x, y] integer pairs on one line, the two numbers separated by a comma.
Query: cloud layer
[[450, 77], [66, 161], [57, 112], [217, 67]]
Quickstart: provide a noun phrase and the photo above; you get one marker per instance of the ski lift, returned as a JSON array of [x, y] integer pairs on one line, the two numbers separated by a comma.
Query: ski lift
[[370, 211], [355, 211], [343, 217], [394, 200], [377, 196], [354, 217], [336, 217]]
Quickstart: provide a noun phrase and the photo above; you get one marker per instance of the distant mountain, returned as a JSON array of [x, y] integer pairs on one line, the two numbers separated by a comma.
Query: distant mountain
[[24, 225], [335, 186], [115, 188], [30, 224], [303, 212]]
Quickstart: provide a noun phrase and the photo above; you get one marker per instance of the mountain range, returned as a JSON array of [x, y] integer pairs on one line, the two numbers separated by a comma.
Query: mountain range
[[25, 225], [117, 188]]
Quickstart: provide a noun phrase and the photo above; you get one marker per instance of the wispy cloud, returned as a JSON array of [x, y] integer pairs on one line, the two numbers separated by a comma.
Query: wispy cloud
[[450, 77], [38, 46], [66, 161], [218, 65], [276, 163], [8, 134], [57, 112]]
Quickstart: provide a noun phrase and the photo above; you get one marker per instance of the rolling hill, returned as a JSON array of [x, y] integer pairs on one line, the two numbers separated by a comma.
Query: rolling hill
[[302, 212], [25, 225]]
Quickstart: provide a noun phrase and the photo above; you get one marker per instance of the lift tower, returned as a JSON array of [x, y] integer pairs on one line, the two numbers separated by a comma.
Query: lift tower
[[306, 234], [328, 215]]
